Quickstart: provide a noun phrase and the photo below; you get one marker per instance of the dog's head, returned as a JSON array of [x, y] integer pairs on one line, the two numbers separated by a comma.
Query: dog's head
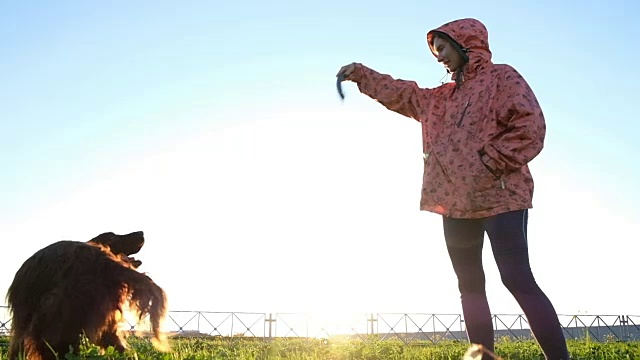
[[122, 246]]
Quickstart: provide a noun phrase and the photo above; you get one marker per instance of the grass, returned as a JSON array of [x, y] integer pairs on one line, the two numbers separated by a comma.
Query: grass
[[372, 349]]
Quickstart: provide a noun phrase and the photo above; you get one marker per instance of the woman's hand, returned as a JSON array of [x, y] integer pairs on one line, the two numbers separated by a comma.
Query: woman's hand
[[346, 70]]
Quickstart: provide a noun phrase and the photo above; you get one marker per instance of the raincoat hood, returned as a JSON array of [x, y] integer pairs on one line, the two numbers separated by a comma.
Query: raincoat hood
[[472, 37]]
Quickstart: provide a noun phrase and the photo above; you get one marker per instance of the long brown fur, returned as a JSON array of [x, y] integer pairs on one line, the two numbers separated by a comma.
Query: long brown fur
[[73, 288]]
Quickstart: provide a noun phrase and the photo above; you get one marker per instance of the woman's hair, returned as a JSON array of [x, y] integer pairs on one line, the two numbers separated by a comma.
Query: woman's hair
[[432, 40]]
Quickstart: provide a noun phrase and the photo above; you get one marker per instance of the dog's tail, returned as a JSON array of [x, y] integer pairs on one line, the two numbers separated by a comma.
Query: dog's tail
[[145, 297]]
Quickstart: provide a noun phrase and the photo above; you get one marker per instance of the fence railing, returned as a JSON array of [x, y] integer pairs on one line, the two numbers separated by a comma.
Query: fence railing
[[407, 327]]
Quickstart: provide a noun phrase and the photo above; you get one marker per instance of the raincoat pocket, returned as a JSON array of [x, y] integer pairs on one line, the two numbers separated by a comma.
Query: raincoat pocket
[[488, 188], [483, 178]]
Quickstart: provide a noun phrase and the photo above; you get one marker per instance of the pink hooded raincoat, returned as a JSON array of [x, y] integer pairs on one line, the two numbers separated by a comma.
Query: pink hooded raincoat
[[477, 137]]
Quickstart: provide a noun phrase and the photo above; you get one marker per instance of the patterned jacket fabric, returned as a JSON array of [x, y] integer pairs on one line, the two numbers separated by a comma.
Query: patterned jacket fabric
[[478, 137]]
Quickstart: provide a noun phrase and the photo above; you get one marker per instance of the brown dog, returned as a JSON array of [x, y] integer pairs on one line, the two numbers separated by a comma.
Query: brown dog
[[71, 288]]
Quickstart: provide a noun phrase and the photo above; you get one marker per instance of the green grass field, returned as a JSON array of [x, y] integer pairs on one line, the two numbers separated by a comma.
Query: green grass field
[[303, 349]]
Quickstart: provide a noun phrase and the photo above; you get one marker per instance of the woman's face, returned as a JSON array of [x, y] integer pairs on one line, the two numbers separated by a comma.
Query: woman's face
[[447, 54]]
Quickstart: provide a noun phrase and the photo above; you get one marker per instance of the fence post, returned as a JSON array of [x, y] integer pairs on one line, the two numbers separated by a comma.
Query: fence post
[[624, 325], [270, 321], [371, 320]]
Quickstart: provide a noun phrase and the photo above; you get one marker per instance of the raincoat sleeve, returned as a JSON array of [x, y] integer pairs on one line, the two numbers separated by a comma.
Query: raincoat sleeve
[[401, 96], [524, 137]]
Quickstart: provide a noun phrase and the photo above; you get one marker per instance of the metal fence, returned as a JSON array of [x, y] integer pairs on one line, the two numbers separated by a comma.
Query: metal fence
[[409, 328]]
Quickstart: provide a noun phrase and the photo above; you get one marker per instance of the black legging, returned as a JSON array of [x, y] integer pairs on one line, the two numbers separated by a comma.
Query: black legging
[[508, 235]]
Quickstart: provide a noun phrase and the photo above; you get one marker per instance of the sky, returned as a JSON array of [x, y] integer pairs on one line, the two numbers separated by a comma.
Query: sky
[[217, 130]]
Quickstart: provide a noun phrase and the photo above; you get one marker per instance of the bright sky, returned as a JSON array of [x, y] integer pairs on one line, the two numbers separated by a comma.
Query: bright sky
[[217, 130]]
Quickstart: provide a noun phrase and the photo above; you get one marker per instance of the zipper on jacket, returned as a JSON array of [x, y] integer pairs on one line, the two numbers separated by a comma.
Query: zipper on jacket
[[464, 111], [502, 184]]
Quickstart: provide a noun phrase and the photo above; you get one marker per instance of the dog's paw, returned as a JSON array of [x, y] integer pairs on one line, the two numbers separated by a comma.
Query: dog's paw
[[130, 260], [135, 263]]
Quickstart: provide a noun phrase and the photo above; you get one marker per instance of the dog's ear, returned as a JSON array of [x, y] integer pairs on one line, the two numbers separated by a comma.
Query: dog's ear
[[104, 239]]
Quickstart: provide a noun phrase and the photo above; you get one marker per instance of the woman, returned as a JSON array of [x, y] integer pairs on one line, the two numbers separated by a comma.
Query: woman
[[479, 134]]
